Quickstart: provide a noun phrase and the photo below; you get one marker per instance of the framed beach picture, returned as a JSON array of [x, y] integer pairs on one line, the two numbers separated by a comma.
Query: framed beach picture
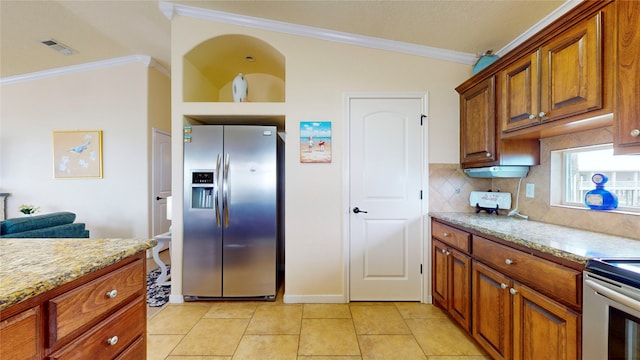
[[315, 141], [77, 154]]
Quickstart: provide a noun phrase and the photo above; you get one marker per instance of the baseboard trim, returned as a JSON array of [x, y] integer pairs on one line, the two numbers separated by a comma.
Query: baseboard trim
[[315, 299], [176, 299]]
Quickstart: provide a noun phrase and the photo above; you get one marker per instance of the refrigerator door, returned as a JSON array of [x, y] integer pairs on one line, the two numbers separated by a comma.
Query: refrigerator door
[[202, 268], [249, 211]]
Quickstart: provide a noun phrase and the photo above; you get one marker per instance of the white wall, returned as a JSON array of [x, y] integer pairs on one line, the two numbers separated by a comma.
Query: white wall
[[112, 99], [318, 74]]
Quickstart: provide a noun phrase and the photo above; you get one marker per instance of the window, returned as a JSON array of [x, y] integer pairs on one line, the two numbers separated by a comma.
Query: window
[[572, 170]]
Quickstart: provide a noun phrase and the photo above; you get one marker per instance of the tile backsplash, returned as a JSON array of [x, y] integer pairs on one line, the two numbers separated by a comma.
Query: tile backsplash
[[449, 190]]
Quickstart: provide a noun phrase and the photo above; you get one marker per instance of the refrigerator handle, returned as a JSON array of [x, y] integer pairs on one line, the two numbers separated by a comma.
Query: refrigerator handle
[[225, 191], [216, 184]]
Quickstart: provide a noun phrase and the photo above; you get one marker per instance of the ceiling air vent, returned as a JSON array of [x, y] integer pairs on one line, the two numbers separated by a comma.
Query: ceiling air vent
[[59, 47]]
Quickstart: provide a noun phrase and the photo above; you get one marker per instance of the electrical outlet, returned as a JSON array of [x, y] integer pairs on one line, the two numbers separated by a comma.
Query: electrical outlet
[[530, 190]]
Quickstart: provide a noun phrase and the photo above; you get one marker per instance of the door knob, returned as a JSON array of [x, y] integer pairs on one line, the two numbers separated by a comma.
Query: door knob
[[159, 198], [356, 210]]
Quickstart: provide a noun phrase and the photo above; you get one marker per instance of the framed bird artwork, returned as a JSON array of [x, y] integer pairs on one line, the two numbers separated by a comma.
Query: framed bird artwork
[[77, 154]]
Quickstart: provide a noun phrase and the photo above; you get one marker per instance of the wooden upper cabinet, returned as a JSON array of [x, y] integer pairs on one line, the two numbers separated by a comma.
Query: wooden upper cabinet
[[571, 71], [562, 78], [519, 93], [627, 115], [478, 124]]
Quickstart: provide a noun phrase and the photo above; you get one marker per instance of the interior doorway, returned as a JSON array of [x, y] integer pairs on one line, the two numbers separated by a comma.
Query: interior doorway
[[387, 180]]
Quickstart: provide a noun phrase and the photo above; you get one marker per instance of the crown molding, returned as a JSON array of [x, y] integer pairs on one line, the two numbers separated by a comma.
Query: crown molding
[[551, 17], [171, 9], [148, 61]]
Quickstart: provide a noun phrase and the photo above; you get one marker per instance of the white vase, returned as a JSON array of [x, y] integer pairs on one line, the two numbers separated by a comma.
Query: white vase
[[240, 88]]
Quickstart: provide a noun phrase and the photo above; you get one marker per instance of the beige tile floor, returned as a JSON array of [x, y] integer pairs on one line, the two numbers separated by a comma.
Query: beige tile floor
[[274, 330]]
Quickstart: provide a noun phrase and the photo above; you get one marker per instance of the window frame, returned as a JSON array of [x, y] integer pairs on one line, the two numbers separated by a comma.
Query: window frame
[[560, 179]]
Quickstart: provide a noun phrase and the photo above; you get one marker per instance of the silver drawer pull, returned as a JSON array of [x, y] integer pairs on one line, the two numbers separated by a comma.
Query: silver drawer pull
[[635, 133], [503, 286], [446, 234], [112, 340], [508, 261], [113, 293], [513, 291]]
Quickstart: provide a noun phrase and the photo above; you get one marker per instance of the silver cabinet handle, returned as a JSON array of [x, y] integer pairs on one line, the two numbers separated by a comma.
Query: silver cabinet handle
[[508, 261], [443, 251], [532, 117], [635, 133], [111, 294], [542, 114], [503, 286], [488, 154], [446, 234], [112, 340], [513, 291]]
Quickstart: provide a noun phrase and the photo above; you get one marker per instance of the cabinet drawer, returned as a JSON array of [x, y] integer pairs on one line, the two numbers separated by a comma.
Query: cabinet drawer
[[20, 335], [451, 236], [123, 329], [78, 307], [549, 278]]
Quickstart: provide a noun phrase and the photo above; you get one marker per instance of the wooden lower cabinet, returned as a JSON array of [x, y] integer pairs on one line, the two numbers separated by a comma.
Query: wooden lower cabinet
[[512, 321], [451, 281], [20, 336], [101, 315], [542, 328], [492, 309]]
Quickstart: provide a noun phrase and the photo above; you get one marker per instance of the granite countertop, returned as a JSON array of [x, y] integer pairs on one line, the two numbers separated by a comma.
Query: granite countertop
[[564, 242], [30, 267]]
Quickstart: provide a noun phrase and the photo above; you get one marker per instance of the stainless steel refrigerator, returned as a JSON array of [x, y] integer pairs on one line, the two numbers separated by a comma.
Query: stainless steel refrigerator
[[230, 212]]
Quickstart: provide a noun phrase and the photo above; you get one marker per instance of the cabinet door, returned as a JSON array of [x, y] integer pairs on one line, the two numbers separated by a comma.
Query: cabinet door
[[440, 274], [460, 288], [20, 336], [626, 120], [519, 94], [478, 124], [571, 71], [542, 328], [491, 311]]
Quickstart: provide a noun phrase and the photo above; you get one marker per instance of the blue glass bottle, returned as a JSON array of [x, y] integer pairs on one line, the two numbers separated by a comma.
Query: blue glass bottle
[[599, 198]]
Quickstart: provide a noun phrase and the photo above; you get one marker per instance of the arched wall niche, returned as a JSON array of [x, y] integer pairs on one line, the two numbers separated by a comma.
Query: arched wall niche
[[210, 67]]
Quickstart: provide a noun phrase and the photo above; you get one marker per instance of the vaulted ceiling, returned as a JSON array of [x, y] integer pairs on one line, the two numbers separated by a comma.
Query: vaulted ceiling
[[105, 29]]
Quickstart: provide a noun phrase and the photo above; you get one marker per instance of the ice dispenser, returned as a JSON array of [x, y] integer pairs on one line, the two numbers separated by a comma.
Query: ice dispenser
[[202, 189]]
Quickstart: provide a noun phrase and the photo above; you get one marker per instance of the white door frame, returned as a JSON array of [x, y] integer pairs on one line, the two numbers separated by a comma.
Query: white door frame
[[346, 210]]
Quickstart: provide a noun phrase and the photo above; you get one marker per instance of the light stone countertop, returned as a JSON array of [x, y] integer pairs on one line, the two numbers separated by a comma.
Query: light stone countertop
[[30, 267], [564, 242]]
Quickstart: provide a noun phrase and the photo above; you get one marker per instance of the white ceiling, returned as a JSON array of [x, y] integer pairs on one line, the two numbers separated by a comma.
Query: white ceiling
[[105, 29]]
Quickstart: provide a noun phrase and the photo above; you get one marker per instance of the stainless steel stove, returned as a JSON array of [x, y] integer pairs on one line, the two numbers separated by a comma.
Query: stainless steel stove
[[611, 309]]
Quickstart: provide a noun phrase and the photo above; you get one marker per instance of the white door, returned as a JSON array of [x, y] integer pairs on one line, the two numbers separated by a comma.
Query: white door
[[161, 180], [386, 162]]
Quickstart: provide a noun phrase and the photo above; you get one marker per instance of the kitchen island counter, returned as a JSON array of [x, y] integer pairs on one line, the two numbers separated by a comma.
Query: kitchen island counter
[[564, 242], [30, 267]]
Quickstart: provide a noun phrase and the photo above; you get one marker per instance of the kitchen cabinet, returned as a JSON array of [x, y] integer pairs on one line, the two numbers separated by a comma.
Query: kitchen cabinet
[[562, 78], [451, 272], [452, 282], [100, 315], [477, 123], [20, 335], [492, 309], [513, 321], [514, 302], [626, 120], [479, 144]]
